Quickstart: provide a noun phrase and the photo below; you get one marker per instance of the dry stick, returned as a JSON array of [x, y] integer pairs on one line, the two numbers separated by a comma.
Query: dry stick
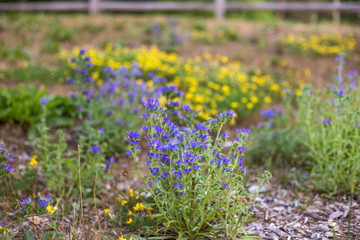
[[104, 195], [81, 201], [32, 211], [33, 219], [97, 213], [350, 213], [62, 218]]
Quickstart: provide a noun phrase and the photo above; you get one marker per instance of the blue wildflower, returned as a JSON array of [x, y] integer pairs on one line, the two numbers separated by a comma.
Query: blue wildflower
[[165, 174], [43, 101]]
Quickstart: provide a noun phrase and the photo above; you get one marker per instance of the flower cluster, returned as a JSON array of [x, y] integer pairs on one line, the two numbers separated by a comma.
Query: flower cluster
[[165, 36], [110, 99], [27, 207], [132, 211], [322, 131], [332, 123], [211, 83], [6, 161], [219, 36], [323, 44], [3, 230], [188, 170]]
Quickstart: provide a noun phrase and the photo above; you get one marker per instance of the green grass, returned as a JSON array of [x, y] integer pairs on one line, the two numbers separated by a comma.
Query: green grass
[[35, 73]]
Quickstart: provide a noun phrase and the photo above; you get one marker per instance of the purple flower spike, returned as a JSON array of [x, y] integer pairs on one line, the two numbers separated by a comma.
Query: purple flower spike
[[187, 107], [9, 168], [48, 197], [242, 149], [95, 148], [43, 101], [25, 201]]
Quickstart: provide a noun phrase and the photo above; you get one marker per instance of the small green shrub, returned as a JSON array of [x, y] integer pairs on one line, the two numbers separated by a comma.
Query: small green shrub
[[275, 141], [22, 105], [322, 130], [13, 54], [199, 26], [165, 36], [221, 35], [95, 29], [330, 119], [35, 72], [61, 33], [50, 46], [197, 187], [6, 160]]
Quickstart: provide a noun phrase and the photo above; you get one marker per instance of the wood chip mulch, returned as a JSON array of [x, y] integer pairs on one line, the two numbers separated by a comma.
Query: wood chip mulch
[[283, 215]]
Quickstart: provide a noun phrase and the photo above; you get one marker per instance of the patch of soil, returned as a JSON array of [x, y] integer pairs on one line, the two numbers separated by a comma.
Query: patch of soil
[[284, 215]]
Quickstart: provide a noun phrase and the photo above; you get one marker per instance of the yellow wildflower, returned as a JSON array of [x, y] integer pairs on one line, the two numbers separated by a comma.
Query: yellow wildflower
[[250, 105], [267, 99], [123, 202], [139, 207], [130, 212], [234, 105], [131, 192], [51, 209], [33, 161], [226, 90], [129, 221], [274, 87], [254, 99], [107, 211], [298, 92], [224, 59], [122, 238]]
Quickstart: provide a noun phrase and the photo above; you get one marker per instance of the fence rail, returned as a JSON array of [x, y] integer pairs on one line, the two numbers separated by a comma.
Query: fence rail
[[219, 7]]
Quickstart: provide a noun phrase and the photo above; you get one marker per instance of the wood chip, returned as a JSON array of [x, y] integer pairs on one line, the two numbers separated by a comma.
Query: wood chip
[[344, 214], [37, 220], [310, 214], [336, 215], [266, 215]]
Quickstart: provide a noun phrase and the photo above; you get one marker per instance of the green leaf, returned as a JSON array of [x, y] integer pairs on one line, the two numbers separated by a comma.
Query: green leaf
[[249, 237], [47, 235], [29, 235]]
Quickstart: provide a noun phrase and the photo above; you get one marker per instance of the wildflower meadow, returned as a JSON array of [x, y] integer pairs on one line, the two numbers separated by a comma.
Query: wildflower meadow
[[137, 127]]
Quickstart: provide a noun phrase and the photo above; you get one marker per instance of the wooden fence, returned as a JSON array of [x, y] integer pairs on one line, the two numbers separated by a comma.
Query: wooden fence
[[219, 7]]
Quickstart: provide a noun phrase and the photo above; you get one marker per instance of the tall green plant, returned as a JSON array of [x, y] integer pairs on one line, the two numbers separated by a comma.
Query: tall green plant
[[330, 118], [198, 188]]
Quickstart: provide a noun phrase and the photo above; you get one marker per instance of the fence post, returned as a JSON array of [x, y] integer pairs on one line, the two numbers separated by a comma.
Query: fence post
[[336, 13], [219, 8], [93, 6]]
